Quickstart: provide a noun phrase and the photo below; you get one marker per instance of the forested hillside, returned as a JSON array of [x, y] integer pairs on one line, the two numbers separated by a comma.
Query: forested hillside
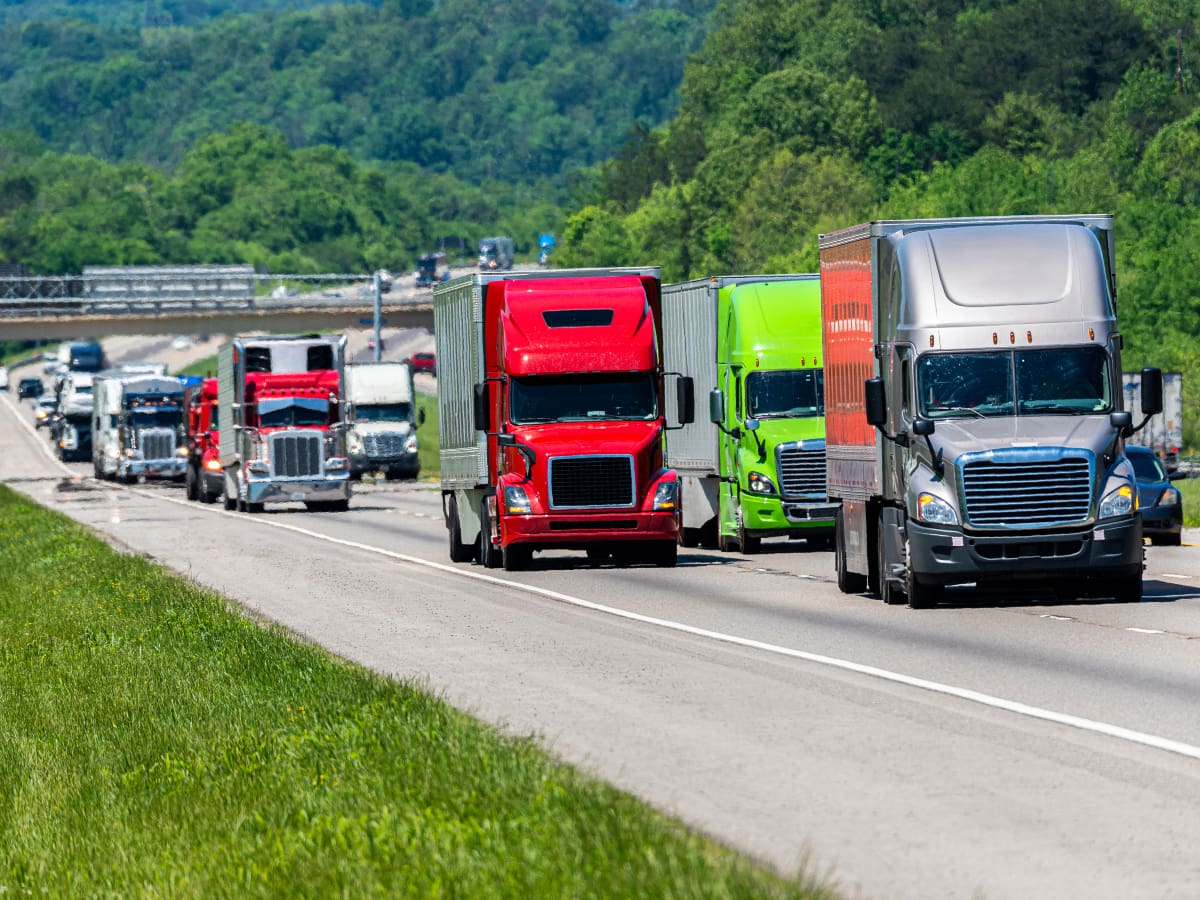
[[799, 117], [519, 91], [138, 14]]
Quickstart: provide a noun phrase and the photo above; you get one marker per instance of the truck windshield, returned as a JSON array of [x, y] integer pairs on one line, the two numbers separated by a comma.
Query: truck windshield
[[578, 398], [1061, 381], [383, 412], [156, 417], [288, 411], [786, 394]]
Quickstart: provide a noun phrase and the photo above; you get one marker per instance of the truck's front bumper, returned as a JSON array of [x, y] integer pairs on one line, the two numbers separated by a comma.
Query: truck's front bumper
[[948, 556], [305, 490], [770, 516], [406, 464], [577, 532], [176, 467]]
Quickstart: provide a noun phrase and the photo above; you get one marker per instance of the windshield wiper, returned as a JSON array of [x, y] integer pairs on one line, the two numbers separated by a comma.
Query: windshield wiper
[[959, 409]]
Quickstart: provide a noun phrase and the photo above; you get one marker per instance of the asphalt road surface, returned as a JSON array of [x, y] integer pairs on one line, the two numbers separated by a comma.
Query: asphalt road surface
[[1002, 745]]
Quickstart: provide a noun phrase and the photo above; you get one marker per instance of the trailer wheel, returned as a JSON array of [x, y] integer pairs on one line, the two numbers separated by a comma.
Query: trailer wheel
[[489, 555], [848, 582], [459, 552]]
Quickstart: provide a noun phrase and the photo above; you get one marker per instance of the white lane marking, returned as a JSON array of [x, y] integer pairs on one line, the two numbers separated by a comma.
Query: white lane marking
[[1145, 630], [1173, 575], [1012, 706], [1057, 618], [15, 408]]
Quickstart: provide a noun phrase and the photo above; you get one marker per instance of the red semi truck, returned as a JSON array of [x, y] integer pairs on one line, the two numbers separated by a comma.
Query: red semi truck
[[204, 478], [551, 416], [282, 422]]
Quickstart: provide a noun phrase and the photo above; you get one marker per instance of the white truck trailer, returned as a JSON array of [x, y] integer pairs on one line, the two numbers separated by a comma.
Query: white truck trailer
[[383, 420], [1164, 431]]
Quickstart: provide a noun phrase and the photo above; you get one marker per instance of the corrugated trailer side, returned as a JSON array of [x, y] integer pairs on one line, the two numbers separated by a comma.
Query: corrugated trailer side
[[689, 334], [229, 392], [847, 311], [458, 333]]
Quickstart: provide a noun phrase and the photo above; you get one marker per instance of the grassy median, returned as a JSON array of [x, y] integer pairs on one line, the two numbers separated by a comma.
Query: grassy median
[[155, 742]]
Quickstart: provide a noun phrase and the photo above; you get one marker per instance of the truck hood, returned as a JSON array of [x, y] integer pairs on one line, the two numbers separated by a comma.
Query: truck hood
[[961, 436], [588, 438]]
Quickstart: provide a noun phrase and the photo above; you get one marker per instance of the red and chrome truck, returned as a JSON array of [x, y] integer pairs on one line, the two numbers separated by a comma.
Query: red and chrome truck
[[281, 421], [205, 480], [551, 416]]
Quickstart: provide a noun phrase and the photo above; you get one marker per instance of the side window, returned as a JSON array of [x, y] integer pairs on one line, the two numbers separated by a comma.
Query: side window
[[906, 386], [736, 375]]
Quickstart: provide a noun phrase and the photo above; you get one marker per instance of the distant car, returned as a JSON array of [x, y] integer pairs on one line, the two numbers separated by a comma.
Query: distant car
[[30, 386], [424, 362], [181, 343], [1159, 501], [43, 410]]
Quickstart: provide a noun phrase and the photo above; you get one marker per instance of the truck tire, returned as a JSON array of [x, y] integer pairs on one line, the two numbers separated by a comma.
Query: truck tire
[[690, 537], [922, 595], [516, 557], [666, 555], [459, 552], [848, 582], [190, 486], [1127, 588], [492, 557], [231, 502], [889, 592]]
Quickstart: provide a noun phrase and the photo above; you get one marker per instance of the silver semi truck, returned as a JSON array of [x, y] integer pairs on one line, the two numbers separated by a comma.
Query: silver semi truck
[[974, 420]]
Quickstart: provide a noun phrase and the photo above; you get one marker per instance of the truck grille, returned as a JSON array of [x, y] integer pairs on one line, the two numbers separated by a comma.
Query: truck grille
[[383, 445], [585, 481], [157, 443], [296, 455], [1030, 493], [801, 468]]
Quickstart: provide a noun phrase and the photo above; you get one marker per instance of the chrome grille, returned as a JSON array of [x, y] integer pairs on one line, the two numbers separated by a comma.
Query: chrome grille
[[1004, 494], [157, 443], [383, 444], [801, 470], [296, 454], [577, 482]]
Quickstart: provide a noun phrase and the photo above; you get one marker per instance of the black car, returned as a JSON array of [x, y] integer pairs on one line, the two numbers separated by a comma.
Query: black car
[[30, 387], [1159, 501]]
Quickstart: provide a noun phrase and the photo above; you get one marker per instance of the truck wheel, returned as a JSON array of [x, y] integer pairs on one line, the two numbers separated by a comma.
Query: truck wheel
[[848, 582], [516, 557], [922, 595], [459, 552], [491, 556], [190, 484], [889, 593], [231, 502], [598, 556], [666, 555], [1127, 588], [748, 542]]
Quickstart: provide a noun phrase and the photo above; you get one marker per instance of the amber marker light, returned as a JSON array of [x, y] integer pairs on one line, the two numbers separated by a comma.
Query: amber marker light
[[1012, 337], [995, 340], [1029, 337]]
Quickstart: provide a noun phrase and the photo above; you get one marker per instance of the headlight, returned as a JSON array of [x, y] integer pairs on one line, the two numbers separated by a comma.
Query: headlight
[[760, 484], [258, 467], [1169, 497], [516, 501], [1120, 502], [935, 510], [410, 442], [665, 496], [182, 451], [213, 465]]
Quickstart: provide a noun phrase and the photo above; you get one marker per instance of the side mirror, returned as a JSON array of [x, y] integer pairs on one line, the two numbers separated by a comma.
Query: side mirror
[[751, 424], [716, 406], [504, 439], [1121, 421], [922, 427], [481, 407], [875, 402], [685, 396], [1152, 392]]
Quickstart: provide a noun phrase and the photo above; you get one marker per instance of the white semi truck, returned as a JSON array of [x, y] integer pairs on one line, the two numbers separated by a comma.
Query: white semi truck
[[137, 427], [383, 420]]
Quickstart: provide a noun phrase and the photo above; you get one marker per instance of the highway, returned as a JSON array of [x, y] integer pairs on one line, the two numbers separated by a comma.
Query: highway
[[1002, 745]]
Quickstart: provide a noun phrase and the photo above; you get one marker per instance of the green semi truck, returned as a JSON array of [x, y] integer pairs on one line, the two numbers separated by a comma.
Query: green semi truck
[[755, 466]]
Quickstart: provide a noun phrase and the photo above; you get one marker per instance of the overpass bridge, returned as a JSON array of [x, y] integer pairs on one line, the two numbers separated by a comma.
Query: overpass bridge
[[202, 299]]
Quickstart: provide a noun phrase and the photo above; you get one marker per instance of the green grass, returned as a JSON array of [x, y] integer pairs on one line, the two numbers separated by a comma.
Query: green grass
[[204, 367], [153, 742], [1189, 488]]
